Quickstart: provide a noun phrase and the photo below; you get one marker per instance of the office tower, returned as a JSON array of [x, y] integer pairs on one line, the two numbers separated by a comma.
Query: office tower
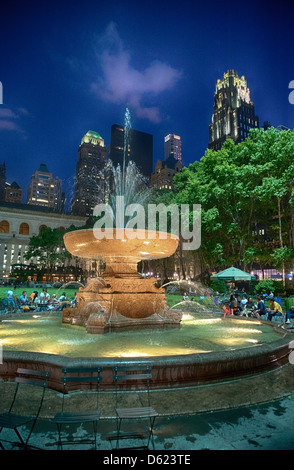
[[233, 111], [89, 185], [44, 190], [164, 173], [13, 193], [173, 147], [139, 149]]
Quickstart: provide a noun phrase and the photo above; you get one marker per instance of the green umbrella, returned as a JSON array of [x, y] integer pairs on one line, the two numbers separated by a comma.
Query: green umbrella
[[232, 274]]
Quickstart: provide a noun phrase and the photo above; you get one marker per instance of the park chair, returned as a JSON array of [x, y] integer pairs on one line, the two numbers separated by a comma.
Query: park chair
[[26, 405], [131, 380], [78, 375]]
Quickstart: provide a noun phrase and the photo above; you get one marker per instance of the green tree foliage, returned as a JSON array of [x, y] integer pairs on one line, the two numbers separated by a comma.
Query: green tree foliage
[[246, 194], [49, 248]]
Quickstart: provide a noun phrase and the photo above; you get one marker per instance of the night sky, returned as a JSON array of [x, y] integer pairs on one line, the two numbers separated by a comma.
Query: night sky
[[71, 66]]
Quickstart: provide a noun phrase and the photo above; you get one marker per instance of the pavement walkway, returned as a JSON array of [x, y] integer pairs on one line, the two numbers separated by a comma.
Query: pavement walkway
[[251, 413]]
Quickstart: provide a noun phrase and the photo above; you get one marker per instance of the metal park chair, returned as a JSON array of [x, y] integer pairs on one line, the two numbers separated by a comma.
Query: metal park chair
[[24, 410], [125, 377], [78, 375]]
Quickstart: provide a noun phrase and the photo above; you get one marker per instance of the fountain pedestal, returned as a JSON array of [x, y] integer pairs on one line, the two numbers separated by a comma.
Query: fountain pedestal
[[121, 298]]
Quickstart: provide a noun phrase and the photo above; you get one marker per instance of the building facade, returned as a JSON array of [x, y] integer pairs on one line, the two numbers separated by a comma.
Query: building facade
[[233, 111], [139, 149], [164, 173], [13, 193], [2, 181], [173, 147], [44, 190], [89, 184], [20, 222]]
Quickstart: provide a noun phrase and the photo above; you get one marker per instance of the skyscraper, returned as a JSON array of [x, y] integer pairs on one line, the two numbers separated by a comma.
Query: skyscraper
[[89, 185], [233, 111], [139, 149], [173, 147], [44, 190]]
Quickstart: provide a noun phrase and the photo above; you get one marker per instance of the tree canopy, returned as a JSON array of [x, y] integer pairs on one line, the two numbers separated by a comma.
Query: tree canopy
[[246, 195]]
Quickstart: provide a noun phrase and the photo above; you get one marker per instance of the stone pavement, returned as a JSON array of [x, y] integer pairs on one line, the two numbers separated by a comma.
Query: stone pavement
[[251, 413]]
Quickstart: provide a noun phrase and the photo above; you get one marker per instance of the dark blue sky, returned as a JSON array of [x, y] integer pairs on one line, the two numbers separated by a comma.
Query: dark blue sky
[[71, 66]]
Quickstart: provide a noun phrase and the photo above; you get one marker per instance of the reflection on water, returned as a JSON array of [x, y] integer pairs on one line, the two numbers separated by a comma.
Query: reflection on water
[[198, 334]]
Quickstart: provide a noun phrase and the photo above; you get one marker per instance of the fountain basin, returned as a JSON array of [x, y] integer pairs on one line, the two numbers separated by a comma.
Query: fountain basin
[[168, 371]]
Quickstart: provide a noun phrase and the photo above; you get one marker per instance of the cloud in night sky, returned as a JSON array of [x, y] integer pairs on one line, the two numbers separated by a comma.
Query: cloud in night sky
[[8, 119], [121, 83]]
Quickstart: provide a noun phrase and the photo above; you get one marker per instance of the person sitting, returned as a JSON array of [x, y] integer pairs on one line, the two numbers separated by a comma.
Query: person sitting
[[244, 301], [33, 297], [249, 307], [74, 302], [226, 309], [54, 303], [260, 310], [24, 299], [274, 310], [43, 301], [62, 298]]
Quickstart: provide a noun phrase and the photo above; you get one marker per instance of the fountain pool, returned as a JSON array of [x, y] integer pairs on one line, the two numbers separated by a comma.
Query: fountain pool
[[206, 348]]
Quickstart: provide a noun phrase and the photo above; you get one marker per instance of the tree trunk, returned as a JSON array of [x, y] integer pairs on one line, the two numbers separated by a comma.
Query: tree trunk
[[281, 239]]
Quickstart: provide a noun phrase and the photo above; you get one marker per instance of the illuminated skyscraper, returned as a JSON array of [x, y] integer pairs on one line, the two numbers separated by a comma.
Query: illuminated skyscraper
[[173, 147], [44, 190], [89, 186], [233, 111]]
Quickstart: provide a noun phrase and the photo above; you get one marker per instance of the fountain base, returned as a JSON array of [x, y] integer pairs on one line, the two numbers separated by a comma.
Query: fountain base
[[115, 303]]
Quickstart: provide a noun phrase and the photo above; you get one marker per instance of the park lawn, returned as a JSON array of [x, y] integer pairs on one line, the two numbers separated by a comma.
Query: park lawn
[[171, 299], [70, 293]]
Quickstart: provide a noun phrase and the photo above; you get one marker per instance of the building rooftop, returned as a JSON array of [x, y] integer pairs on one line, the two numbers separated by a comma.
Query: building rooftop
[[43, 168]]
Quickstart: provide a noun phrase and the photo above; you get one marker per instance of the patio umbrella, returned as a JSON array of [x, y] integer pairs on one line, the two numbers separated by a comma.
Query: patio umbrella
[[232, 274]]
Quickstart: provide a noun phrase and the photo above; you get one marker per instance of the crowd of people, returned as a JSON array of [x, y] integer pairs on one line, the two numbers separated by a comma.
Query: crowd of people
[[38, 302], [245, 306]]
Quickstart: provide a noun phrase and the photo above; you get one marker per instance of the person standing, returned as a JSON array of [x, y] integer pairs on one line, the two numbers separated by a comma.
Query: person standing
[[11, 301]]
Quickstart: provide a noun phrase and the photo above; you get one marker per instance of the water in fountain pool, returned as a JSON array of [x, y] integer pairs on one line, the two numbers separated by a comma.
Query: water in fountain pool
[[198, 334]]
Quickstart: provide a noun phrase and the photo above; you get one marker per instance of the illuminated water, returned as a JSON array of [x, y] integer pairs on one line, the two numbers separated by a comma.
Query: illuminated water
[[198, 334]]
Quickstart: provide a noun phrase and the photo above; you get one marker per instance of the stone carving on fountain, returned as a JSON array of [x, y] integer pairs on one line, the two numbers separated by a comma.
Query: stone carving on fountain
[[121, 298]]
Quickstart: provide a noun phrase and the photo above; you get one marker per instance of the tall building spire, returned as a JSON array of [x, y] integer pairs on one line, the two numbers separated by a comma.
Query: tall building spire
[[233, 111]]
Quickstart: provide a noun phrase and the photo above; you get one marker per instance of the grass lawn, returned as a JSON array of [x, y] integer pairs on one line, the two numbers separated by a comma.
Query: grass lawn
[[70, 293], [171, 299]]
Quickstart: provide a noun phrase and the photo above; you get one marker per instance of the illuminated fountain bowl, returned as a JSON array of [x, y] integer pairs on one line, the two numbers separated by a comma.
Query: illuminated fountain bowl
[[123, 294], [265, 346], [121, 246]]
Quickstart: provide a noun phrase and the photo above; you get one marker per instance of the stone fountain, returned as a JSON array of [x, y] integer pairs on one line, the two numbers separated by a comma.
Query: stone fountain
[[121, 298]]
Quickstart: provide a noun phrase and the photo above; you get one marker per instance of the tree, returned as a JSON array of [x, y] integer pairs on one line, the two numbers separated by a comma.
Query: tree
[[246, 194], [49, 248]]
